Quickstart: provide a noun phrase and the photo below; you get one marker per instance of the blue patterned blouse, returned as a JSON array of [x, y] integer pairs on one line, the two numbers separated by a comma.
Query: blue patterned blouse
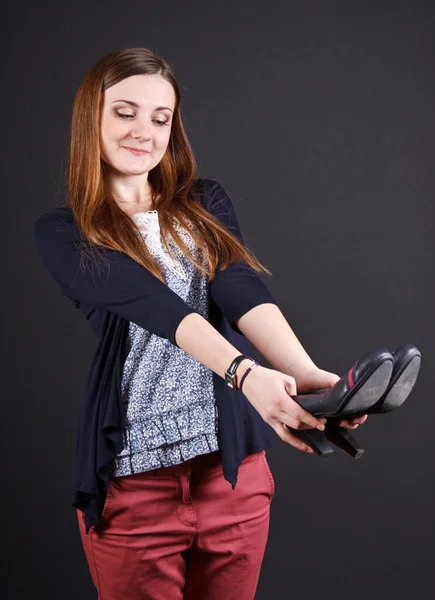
[[169, 400]]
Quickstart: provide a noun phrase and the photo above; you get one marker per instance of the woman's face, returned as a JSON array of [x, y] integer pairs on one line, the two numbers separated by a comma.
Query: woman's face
[[136, 114]]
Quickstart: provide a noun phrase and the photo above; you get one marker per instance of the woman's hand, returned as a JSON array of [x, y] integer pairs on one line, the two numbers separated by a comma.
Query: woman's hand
[[319, 379], [269, 393]]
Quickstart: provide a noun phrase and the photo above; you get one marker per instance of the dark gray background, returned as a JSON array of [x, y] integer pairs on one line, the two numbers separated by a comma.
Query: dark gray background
[[319, 120]]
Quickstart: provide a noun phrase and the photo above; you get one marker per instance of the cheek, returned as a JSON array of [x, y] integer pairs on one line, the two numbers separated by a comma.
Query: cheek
[[113, 130], [163, 139]]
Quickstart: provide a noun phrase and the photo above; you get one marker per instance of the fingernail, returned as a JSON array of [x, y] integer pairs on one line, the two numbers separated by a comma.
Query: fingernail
[[322, 420], [321, 427]]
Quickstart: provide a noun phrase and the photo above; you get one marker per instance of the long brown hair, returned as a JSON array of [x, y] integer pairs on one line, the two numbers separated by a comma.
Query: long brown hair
[[102, 222]]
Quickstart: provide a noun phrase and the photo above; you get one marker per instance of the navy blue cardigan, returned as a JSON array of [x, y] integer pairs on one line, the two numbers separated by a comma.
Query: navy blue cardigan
[[121, 290]]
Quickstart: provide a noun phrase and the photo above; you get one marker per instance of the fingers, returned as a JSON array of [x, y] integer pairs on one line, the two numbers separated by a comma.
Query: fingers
[[291, 413], [352, 423], [290, 385], [304, 418], [295, 410], [303, 426], [290, 438], [295, 423]]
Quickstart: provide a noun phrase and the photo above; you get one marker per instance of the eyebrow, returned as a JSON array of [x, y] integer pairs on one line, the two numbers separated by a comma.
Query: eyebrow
[[137, 105]]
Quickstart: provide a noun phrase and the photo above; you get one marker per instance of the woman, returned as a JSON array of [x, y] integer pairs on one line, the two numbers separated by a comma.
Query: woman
[[175, 409]]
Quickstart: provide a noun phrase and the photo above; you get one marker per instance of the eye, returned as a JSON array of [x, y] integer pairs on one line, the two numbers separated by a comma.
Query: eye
[[130, 116], [123, 116]]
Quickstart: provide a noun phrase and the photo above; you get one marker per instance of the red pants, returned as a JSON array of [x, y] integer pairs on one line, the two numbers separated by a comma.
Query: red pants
[[182, 532]]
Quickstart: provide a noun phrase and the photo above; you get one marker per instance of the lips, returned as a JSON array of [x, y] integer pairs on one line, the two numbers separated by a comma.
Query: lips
[[136, 151]]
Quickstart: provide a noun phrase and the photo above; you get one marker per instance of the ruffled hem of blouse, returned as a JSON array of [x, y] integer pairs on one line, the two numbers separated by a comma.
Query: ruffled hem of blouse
[[165, 456], [156, 431]]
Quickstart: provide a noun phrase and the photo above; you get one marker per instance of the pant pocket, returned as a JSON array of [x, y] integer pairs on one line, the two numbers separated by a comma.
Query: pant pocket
[[269, 473], [107, 501]]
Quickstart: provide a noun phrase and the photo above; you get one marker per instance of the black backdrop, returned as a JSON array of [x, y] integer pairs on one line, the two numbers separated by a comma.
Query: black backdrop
[[319, 120]]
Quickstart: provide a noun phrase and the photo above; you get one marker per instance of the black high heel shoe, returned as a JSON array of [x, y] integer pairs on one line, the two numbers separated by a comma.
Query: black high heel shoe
[[358, 390], [406, 366]]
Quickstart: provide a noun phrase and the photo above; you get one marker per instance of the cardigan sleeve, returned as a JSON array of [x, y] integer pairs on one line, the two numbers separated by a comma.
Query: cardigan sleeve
[[238, 288], [119, 285]]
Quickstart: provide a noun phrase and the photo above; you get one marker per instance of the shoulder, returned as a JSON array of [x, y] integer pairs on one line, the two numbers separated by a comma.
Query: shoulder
[[59, 219], [212, 193], [59, 213], [206, 184]]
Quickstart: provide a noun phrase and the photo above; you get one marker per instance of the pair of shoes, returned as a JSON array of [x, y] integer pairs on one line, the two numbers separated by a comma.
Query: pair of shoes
[[377, 383]]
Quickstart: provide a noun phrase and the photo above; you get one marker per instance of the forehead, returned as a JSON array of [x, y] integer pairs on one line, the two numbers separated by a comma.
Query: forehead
[[146, 90]]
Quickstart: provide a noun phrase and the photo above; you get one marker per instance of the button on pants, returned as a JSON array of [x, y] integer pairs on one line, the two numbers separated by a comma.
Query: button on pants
[[182, 532]]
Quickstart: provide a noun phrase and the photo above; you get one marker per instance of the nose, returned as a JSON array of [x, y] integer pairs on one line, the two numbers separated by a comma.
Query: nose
[[141, 130]]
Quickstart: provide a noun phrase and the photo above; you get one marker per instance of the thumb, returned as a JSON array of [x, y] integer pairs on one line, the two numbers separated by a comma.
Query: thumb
[[325, 379], [290, 385], [330, 379]]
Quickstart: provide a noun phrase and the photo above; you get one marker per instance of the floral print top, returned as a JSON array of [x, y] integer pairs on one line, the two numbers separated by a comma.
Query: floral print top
[[169, 400]]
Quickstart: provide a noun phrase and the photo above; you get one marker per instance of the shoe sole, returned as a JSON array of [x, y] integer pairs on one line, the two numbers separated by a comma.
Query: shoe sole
[[402, 387], [370, 392]]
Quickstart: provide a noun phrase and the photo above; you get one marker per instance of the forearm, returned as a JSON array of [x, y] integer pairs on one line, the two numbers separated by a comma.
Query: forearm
[[196, 336], [269, 332]]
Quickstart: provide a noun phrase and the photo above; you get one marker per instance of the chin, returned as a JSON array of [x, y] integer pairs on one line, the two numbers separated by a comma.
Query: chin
[[130, 169]]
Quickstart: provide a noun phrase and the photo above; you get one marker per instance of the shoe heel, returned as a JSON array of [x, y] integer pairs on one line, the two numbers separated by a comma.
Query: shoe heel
[[344, 440], [316, 440]]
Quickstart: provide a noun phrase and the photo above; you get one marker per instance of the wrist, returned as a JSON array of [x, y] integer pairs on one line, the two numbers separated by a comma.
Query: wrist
[[299, 371], [246, 375], [233, 374], [243, 366]]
